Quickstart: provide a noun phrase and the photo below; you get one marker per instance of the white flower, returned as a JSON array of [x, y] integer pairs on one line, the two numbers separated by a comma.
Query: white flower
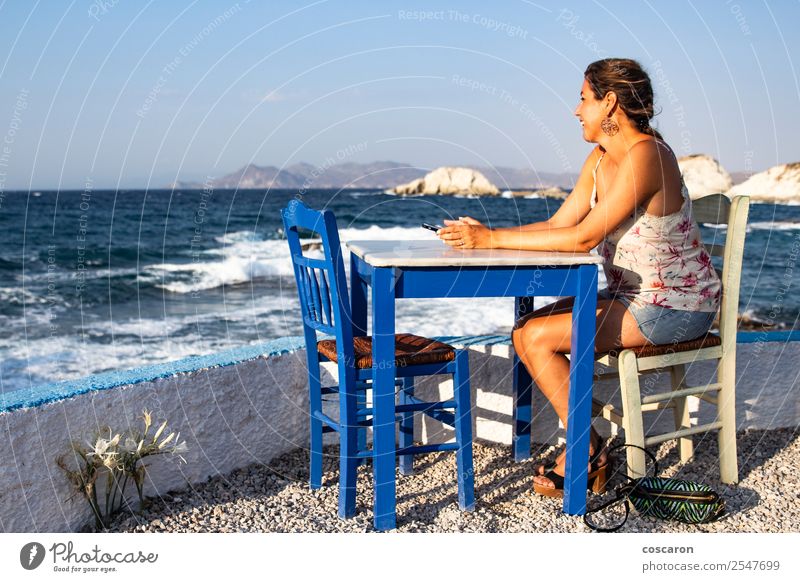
[[160, 430], [166, 440], [110, 461], [148, 420], [100, 448], [129, 446]]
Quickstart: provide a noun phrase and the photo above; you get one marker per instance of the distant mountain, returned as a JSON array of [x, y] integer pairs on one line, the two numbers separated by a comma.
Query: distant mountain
[[372, 175]]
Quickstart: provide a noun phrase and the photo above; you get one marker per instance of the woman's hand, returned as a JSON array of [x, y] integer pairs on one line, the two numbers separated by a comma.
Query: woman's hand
[[466, 233], [463, 220]]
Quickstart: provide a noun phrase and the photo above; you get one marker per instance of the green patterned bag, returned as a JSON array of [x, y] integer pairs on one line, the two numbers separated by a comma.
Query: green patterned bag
[[684, 501]]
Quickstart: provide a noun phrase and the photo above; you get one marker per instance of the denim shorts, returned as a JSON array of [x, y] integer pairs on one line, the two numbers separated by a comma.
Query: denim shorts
[[664, 325]]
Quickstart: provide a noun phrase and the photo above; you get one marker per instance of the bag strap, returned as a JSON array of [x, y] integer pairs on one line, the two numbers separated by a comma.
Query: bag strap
[[622, 493]]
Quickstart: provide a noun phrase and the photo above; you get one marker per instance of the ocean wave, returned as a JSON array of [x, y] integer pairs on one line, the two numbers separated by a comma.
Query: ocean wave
[[25, 296], [60, 275], [238, 236], [125, 343], [244, 258], [51, 359], [175, 327], [777, 225], [763, 225]]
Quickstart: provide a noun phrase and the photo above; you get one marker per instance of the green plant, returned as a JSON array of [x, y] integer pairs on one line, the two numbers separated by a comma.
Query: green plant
[[120, 458]]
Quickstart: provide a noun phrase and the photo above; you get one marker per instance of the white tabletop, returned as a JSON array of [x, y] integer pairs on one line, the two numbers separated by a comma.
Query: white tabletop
[[434, 253]]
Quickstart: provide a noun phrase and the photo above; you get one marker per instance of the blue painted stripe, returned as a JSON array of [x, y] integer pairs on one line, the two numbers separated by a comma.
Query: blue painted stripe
[[742, 337], [44, 393]]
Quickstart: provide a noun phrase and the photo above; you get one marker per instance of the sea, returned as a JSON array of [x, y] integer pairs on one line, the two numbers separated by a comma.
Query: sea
[[97, 280]]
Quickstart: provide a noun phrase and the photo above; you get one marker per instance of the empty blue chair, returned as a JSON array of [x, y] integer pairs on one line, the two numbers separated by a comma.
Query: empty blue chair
[[325, 306]]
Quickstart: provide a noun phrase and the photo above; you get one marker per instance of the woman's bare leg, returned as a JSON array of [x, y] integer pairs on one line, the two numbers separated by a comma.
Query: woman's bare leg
[[542, 341]]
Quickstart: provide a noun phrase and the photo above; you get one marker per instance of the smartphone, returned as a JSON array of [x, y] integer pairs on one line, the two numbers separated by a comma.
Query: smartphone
[[433, 227]]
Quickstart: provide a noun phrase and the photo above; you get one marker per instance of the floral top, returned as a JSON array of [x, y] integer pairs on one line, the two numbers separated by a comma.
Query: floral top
[[660, 260]]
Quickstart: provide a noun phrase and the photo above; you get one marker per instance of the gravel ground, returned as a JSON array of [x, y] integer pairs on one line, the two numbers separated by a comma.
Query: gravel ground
[[276, 498]]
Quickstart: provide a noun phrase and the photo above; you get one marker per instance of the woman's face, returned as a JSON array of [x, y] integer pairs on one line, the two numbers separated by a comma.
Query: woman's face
[[590, 112]]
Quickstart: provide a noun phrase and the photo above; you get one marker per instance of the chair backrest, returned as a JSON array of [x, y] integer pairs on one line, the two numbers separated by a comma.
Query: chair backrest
[[321, 283], [719, 209]]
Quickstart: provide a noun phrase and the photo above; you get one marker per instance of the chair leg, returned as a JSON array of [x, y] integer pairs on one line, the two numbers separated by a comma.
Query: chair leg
[[632, 412], [348, 447], [315, 448], [407, 427], [681, 411], [348, 474], [726, 412], [463, 422], [361, 402]]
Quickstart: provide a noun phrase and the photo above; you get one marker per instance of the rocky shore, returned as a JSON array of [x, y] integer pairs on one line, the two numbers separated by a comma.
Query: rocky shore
[[553, 192], [702, 174]]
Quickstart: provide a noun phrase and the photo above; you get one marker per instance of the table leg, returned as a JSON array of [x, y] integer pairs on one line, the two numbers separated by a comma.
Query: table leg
[[358, 299], [383, 398], [579, 415], [522, 394]]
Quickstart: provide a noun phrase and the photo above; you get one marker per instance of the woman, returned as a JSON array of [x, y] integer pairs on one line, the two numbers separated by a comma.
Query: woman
[[630, 200]]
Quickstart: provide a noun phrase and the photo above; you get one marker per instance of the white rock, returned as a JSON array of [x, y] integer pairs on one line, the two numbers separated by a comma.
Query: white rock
[[703, 175], [552, 192], [449, 180], [779, 184]]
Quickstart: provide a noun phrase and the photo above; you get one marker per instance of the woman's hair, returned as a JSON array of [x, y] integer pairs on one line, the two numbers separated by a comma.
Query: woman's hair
[[627, 79]]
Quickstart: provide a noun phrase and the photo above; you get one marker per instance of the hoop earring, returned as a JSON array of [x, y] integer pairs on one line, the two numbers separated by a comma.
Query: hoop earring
[[609, 126]]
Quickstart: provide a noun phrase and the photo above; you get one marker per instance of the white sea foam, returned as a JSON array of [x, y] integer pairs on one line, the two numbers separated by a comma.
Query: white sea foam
[[52, 359], [20, 295], [763, 225], [778, 225], [244, 257], [240, 260], [62, 275], [237, 236]]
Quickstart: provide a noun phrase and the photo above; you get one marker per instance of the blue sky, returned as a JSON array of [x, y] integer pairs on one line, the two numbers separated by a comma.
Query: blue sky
[[138, 94]]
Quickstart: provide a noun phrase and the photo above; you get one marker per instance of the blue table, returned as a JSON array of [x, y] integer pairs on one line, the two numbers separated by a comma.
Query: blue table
[[430, 269]]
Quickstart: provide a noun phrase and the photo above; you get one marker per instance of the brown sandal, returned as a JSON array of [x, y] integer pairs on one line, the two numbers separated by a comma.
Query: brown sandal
[[596, 481]]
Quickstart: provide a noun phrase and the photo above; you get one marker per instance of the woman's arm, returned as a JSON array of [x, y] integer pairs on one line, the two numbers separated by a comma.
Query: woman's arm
[[638, 178]]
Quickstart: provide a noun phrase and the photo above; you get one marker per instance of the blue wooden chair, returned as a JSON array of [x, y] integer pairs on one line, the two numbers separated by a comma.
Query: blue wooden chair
[[326, 309]]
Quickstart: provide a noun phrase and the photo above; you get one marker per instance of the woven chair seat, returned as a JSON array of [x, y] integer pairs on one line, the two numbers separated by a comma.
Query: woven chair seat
[[706, 341], [409, 350]]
